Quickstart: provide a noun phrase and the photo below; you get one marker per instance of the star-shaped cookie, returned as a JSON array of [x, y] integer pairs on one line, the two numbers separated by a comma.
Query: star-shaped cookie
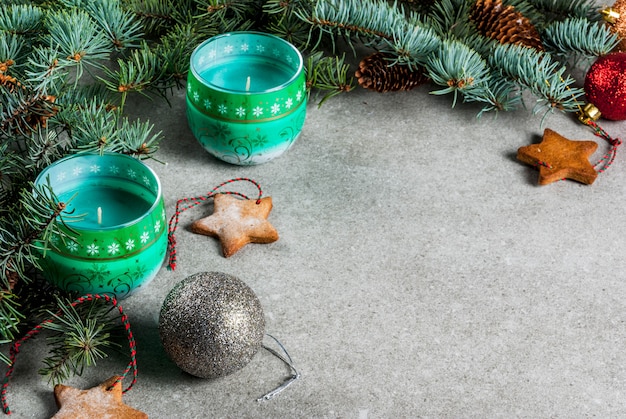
[[559, 158], [96, 403], [237, 222]]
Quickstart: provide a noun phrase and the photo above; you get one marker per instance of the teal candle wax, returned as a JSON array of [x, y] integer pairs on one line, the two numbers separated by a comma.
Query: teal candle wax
[[246, 74], [246, 96], [119, 242], [105, 206]]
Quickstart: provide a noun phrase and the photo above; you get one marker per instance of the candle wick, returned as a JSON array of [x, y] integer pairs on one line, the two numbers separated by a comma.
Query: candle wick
[[99, 215], [248, 84]]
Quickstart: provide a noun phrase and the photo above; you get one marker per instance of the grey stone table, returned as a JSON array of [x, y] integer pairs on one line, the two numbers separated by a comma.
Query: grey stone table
[[420, 271]]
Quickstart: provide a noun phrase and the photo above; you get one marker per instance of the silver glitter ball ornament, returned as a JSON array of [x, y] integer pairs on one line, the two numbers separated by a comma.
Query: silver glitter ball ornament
[[211, 324]]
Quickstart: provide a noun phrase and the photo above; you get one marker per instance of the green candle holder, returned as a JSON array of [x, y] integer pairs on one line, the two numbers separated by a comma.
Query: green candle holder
[[120, 243], [246, 96]]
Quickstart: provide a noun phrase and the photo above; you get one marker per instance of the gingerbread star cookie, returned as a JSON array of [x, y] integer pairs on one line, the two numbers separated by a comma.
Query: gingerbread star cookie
[[237, 222], [98, 402], [559, 158]]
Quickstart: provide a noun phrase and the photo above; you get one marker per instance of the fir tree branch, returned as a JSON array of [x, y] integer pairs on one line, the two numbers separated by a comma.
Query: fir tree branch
[[12, 170], [135, 139], [329, 75], [23, 110], [381, 24], [283, 20], [175, 49], [78, 38], [11, 319], [12, 50], [450, 18], [229, 15], [561, 9], [579, 36], [140, 72], [93, 127], [21, 19], [157, 16], [44, 147], [499, 95], [459, 69], [46, 71], [73, 4], [353, 18], [96, 129], [537, 72], [120, 26], [413, 45], [285, 8], [27, 234], [80, 337]]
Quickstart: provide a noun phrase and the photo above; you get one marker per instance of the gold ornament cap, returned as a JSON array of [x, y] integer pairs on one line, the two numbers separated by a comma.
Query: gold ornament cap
[[610, 15], [589, 113]]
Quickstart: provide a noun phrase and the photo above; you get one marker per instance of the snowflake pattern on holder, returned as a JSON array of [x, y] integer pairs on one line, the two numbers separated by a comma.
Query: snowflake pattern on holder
[[260, 106], [88, 244], [274, 107], [113, 259], [246, 127]]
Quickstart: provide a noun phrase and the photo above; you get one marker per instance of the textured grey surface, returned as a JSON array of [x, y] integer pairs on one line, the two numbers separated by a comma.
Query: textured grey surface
[[419, 272]]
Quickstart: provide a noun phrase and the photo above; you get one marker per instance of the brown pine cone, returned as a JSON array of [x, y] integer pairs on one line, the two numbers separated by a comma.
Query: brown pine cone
[[375, 73], [504, 24], [618, 26]]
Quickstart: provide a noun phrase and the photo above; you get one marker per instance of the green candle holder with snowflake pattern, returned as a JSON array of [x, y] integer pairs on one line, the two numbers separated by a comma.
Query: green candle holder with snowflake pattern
[[120, 242], [246, 96]]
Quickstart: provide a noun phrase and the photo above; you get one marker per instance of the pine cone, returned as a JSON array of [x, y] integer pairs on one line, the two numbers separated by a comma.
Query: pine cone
[[619, 25], [375, 73], [504, 24]]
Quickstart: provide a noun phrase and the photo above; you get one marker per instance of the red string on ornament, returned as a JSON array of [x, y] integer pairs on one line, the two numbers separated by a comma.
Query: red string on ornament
[[15, 348], [543, 163], [192, 202], [607, 160]]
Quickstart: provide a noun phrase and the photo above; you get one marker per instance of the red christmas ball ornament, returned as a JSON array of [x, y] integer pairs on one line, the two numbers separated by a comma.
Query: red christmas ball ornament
[[605, 85]]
